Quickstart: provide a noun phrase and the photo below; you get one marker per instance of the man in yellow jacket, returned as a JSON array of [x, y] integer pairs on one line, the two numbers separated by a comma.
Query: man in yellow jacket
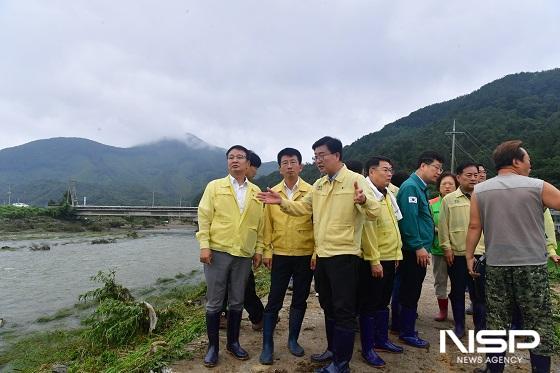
[[378, 269], [339, 202], [288, 247], [230, 220]]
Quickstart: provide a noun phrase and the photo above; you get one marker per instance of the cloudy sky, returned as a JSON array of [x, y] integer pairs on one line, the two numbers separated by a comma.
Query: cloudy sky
[[266, 74]]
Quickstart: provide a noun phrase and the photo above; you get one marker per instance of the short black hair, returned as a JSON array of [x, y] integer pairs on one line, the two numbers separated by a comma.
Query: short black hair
[[238, 147], [334, 145], [462, 166], [355, 166], [254, 159], [290, 152], [428, 157], [375, 160], [443, 175], [478, 165]]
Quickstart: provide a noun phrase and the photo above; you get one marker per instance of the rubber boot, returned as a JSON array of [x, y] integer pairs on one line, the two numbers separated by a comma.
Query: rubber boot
[[381, 340], [294, 328], [269, 323], [479, 316], [540, 363], [343, 344], [443, 307], [458, 308], [367, 325], [328, 354], [213, 331], [232, 346], [408, 335]]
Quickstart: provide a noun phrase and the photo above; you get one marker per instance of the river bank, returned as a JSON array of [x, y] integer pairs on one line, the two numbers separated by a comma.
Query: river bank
[[40, 289], [177, 344]]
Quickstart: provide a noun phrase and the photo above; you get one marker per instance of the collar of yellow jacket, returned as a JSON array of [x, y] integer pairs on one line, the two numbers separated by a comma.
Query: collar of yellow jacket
[[226, 183], [340, 175], [458, 193], [303, 187]]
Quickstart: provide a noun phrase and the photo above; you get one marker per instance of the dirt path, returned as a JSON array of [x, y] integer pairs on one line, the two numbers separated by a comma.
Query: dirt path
[[313, 339]]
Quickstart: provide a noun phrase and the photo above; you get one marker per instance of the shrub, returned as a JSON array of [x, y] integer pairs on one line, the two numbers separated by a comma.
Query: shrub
[[110, 290], [115, 323]]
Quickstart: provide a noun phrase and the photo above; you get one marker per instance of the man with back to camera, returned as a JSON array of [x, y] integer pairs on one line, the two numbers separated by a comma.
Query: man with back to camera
[[509, 209], [417, 232], [339, 202], [230, 220], [289, 245], [452, 230]]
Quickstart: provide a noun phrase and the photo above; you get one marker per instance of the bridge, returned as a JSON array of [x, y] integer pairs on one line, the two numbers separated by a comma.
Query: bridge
[[153, 211]]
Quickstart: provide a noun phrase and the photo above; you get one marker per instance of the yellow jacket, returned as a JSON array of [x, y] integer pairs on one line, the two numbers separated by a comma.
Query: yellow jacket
[[222, 227], [550, 233], [285, 234], [370, 252], [454, 216], [337, 220], [386, 227]]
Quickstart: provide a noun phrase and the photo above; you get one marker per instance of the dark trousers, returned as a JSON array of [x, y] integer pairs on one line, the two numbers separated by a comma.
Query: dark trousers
[[252, 303], [337, 280], [375, 293], [460, 281], [478, 294], [284, 267], [412, 276]]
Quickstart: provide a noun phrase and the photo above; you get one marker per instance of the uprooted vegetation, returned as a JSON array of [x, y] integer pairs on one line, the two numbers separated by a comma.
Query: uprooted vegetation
[[115, 337]]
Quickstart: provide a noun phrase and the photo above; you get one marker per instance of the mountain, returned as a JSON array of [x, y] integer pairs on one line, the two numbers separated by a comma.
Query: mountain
[[523, 106], [172, 170]]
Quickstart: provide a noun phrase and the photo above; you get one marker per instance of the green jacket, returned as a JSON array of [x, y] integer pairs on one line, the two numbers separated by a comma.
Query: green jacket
[[435, 204], [416, 226]]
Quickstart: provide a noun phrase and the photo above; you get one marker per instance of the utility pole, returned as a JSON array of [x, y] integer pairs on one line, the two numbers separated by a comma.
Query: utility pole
[[453, 133], [9, 194], [153, 197]]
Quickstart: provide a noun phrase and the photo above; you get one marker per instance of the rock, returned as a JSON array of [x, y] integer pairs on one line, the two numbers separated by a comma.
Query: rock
[[103, 241], [59, 368], [39, 247]]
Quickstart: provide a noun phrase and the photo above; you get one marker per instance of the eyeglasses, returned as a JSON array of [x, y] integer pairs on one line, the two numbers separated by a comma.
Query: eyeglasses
[[238, 157], [386, 170], [320, 157], [438, 168]]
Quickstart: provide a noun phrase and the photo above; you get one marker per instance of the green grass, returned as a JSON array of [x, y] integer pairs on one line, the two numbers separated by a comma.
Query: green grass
[[38, 351], [181, 320]]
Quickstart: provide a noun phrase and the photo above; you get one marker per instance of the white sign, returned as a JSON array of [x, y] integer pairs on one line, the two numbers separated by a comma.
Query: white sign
[[494, 338]]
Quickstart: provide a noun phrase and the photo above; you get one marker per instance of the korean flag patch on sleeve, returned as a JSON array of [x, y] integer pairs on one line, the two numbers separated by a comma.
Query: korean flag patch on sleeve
[[412, 199]]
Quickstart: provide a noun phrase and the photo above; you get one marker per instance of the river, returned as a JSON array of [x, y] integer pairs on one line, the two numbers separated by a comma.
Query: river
[[34, 284]]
